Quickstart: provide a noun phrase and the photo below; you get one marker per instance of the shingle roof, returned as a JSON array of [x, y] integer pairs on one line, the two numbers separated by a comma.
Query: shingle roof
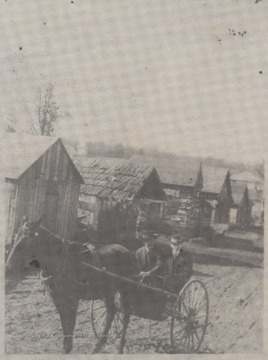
[[247, 176], [213, 178], [112, 178], [238, 191], [182, 172], [19, 151]]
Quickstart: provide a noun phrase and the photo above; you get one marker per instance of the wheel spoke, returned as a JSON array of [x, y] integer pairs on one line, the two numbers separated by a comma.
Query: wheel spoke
[[192, 296], [188, 340], [185, 308], [196, 334], [185, 340], [200, 326], [202, 306], [196, 296], [98, 308], [100, 315], [200, 301], [189, 296], [192, 335], [101, 323], [181, 331], [200, 317], [117, 323]]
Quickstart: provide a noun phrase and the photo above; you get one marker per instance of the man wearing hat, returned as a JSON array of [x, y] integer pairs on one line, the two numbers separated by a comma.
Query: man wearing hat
[[180, 265], [83, 233], [152, 265], [152, 256]]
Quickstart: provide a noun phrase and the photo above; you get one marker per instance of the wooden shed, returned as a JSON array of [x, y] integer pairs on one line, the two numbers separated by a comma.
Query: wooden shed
[[255, 185], [115, 191], [240, 212], [216, 196], [39, 179]]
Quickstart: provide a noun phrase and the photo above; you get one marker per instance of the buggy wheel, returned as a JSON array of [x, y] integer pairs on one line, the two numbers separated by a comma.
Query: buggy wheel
[[190, 317], [98, 316]]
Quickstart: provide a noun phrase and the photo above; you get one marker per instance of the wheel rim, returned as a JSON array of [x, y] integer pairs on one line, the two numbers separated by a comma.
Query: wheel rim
[[190, 317], [98, 315]]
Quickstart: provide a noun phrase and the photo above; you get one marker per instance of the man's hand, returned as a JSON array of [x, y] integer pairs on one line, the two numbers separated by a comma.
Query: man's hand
[[145, 274]]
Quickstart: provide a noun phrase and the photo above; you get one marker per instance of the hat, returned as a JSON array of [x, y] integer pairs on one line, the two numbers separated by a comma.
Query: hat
[[176, 239]]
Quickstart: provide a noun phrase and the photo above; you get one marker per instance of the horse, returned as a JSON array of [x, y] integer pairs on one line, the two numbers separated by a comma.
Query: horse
[[68, 281]]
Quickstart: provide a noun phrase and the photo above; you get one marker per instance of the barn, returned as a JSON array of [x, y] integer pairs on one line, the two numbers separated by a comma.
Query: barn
[[240, 212], [39, 179], [216, 196], [114, 193]]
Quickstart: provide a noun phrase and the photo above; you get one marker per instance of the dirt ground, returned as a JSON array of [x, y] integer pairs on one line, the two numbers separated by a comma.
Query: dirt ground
[[235, 286]]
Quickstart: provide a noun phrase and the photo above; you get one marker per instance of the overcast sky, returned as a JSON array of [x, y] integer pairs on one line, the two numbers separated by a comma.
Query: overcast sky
[[169, 74]]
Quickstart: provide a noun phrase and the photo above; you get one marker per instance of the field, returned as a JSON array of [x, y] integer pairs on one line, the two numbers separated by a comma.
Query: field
[[234, 280]]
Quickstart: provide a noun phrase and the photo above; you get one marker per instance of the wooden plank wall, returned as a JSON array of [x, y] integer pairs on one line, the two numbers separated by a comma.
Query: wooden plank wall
[[10, 198], [49, 187]]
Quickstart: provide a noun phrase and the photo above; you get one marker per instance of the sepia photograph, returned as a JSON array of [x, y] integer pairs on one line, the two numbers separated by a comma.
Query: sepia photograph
[[132, 159]]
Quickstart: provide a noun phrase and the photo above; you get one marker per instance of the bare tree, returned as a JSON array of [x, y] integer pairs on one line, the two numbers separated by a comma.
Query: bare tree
[[10, 124], [47, 111]]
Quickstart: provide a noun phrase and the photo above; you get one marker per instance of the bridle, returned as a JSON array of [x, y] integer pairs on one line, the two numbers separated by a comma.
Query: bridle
[[25, 232]]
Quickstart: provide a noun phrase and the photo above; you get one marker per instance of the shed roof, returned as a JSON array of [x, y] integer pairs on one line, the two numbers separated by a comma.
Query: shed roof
[[247, 176], [181, 171], [238, 191], [112, 178], [213, 178], [19, 151]]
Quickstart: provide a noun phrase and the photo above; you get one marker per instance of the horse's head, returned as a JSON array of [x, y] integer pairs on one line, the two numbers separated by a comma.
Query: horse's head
[[25, 248]]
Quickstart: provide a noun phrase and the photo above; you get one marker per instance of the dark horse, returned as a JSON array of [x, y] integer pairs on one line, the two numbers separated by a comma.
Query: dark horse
[[68, 280]]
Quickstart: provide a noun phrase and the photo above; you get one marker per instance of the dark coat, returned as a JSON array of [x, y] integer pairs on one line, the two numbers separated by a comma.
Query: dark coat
[[156, 262], [181, 264], [180, 269]]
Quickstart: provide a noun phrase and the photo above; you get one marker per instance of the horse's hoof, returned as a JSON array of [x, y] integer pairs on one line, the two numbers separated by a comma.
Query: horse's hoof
[[67, 350]]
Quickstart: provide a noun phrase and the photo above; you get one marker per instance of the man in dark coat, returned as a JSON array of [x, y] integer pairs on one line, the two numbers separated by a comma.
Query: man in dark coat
[[180, 265], [152, 265], [152, 257]]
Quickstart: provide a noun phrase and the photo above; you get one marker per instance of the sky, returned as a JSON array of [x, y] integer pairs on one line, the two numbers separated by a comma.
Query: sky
[[188, 77]]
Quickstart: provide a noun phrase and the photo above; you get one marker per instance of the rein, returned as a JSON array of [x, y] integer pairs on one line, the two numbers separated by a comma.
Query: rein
[[51, 233], [95, 257], [95, 262]]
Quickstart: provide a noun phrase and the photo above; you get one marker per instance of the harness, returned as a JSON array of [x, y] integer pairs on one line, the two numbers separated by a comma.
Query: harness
[[95, 262], [50, 280], [95, 257]]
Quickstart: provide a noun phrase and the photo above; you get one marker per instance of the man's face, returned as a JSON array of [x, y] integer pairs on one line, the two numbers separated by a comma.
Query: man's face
[[175, 247], [149, 245]]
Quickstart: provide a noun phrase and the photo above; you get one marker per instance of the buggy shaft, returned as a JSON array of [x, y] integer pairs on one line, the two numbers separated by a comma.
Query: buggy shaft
[[132, 282]]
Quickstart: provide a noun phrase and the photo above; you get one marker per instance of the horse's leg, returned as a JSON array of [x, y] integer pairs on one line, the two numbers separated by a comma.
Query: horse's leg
[[67, 308], [68, 319], [126, 312], [110, 312]]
